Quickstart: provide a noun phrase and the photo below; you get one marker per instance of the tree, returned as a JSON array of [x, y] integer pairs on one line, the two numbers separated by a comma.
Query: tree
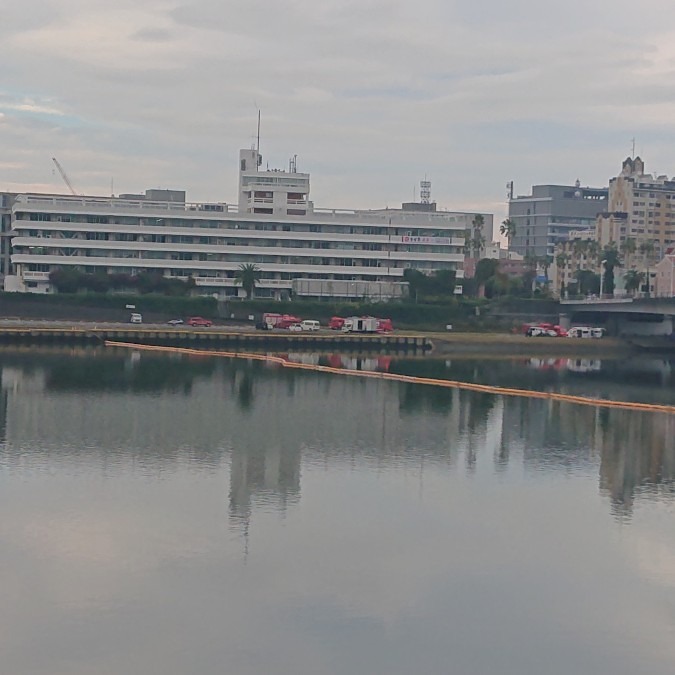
[[588, 282], [415, 280], [593, 249], [477, 237], [647, 249], [562, 259], [546, 261], [610, 259], [66, 279], [247, 276], [633, 280], [628, 248], [508, 229]]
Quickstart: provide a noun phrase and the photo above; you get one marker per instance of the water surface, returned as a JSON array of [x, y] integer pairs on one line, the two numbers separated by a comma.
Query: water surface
[[198, 515]]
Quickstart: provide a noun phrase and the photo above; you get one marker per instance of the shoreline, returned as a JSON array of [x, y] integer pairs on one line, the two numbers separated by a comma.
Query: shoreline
[[507, 344]]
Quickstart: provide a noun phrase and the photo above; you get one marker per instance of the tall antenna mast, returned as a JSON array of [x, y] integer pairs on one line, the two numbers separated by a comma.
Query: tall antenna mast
[[425, 191], [633, 155], [257, 149]]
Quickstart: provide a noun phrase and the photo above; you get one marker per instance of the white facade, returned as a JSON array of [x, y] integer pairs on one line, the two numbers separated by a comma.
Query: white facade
[[279, 193], [282, 234]]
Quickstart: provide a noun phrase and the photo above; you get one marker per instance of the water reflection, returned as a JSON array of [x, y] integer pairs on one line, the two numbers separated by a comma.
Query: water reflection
[[266, 420], [179, 514]]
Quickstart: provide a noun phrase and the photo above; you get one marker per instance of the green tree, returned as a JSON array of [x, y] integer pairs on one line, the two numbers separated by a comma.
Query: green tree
[[633, 280], [66, 279], [477, 237], [545, 262], [508, 229], [628, 248], [588, 282], [247, 276]]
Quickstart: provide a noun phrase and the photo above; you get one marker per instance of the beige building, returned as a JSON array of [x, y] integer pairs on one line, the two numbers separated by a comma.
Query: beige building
[[664, 282], [640, 207]]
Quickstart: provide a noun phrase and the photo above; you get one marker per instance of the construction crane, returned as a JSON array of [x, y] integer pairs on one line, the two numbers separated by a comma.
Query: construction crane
[[64, 176]]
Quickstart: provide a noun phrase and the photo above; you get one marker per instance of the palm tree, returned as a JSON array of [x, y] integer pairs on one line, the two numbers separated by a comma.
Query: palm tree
[[633, 280], [647, 249], [593, 249], [561, 261], [628, 248], [247, 276], [477, 240], [610, 259], [545, 262], [477, 243], [508, 229]]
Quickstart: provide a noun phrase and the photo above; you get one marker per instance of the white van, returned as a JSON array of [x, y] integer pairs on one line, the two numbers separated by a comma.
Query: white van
[[136, 318], [310, 324], [580, 332]]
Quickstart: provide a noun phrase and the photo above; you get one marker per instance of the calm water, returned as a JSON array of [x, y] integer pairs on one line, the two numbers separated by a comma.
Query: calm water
[[174, 515]]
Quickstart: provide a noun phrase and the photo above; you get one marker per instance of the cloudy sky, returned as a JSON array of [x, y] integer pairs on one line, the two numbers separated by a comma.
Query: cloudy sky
[[371, 95]]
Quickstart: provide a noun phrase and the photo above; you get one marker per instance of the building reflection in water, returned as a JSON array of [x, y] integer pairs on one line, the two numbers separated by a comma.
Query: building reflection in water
[[265, 422]]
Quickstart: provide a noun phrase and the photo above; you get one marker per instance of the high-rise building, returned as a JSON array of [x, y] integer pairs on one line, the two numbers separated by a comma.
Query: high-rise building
[[550, 213], [640, 207]]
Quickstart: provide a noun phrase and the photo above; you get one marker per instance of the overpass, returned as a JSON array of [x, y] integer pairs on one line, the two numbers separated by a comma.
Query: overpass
[[622, 316]]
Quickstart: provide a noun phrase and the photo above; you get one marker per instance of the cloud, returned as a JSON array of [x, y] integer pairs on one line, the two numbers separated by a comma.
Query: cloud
[[371, 95]]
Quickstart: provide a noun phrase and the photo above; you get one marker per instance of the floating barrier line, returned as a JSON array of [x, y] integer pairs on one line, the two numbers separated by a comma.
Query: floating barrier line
[[452, 384]]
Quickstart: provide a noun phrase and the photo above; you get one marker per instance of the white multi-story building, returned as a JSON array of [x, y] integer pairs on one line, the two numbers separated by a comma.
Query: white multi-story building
[[345, 254]]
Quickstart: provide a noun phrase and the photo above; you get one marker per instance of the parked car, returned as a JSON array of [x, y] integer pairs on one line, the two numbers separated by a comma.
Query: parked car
[[580, 332], [310, 324], [199, 321], [136, 318], [295, 328], [538, 331], [175, 322], [261, 325]]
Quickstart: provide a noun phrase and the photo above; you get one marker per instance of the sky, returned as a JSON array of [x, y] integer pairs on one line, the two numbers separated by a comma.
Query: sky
[[372, 96]]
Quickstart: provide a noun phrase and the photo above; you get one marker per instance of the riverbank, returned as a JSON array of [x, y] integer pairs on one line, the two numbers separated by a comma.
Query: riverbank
[[505, 344]]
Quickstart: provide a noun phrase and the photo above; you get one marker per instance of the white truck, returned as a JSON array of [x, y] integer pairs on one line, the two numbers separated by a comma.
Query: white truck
[[360, 324]]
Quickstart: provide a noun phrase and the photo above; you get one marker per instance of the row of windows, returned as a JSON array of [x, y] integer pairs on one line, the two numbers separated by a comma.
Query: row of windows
[[363, 230], [229, 259]]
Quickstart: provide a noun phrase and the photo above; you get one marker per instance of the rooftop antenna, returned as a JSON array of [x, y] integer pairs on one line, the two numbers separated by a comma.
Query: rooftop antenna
[[633, 145], [425, 190], [257, 147], [509, 190]]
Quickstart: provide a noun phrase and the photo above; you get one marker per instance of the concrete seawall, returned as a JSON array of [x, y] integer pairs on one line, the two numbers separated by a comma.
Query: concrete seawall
[[213, 337]]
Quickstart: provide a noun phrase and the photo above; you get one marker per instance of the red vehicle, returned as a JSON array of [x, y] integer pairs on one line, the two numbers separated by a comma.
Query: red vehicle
[[384, 326], [549, 328], [336, 323], [273, 320], [199, 321]]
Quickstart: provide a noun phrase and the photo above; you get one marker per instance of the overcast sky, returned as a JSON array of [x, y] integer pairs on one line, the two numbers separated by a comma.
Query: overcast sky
[[372, 95]]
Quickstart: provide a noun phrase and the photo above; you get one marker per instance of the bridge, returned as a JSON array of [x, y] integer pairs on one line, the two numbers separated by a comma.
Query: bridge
[[622, 316]]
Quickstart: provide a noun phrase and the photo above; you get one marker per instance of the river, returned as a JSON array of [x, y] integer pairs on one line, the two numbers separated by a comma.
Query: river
[[174, 514]]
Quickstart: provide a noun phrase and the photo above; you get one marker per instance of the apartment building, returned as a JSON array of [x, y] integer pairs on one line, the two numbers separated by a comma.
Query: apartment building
[[345, 253], [641, 207], [547, 216]]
